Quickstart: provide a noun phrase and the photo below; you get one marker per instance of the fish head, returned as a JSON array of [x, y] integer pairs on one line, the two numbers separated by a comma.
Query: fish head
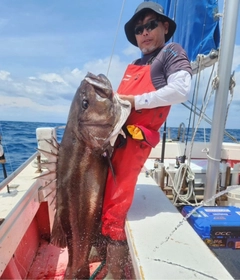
[[95, 111]]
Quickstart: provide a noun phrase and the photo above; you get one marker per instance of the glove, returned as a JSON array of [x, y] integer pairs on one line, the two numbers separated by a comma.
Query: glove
[[148, 136], [135, 132]]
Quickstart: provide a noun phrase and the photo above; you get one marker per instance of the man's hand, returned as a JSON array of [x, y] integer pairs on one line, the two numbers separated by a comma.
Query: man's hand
[[130, 98]]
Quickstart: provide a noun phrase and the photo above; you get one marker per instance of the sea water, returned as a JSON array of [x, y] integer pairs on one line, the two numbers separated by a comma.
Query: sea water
[[19, 140], [19, 143]]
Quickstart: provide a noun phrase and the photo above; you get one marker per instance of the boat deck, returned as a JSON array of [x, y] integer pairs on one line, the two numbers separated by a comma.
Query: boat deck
[[50, 263], [161, 245], [228, 257]]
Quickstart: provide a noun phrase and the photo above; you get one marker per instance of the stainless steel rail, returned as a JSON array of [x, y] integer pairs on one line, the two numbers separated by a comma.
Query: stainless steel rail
[[5, 182]]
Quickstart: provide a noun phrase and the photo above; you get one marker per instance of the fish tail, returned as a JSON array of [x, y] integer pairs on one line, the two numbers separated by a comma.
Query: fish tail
[[58, 237]]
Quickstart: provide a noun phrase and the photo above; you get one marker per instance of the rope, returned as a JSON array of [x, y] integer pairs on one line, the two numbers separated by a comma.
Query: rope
[[177, 183], [206, 150], [180, 175], [202, 113], [197, 91], [99, 268], [209, 121], [114, 43], [232, 84]]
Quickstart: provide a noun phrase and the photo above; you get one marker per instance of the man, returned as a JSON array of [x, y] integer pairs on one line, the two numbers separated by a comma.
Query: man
[[160, 78]]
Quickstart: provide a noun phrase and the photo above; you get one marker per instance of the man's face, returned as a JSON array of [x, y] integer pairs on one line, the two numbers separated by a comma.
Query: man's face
[[153, 35]]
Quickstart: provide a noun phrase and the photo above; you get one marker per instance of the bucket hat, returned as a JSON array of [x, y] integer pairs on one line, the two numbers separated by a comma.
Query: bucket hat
[[155, 7]]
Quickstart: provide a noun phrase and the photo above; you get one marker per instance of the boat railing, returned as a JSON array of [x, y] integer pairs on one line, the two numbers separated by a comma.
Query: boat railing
[[6, 181], [45, 133], [204, 61], [181, 129]]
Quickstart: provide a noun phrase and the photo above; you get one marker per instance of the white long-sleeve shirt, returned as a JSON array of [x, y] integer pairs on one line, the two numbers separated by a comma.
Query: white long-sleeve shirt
[[176, 91]]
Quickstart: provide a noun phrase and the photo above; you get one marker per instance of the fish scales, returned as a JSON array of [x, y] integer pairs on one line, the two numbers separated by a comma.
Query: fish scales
[[82, 170]]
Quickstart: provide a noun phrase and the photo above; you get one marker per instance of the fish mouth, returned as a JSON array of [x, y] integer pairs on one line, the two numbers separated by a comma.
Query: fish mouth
[[101, 83]]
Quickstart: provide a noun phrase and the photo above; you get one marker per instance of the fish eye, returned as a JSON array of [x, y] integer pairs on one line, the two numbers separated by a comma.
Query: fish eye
[[85, 104]]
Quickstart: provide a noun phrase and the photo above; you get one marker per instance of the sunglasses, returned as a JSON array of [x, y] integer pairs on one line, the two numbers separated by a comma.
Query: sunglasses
[[149, 26]]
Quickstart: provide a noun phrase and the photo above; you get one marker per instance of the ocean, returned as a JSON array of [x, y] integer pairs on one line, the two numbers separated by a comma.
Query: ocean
[[19, 140]]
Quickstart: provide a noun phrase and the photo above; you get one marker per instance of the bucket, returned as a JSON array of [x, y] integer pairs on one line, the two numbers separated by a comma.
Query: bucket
[[234, 197]]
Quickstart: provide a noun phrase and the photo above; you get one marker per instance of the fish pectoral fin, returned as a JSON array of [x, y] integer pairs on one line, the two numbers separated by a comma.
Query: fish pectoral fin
[[58, 237], [111, 166]]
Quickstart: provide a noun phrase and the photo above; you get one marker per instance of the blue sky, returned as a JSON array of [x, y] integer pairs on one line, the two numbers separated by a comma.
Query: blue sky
[[47, 47]]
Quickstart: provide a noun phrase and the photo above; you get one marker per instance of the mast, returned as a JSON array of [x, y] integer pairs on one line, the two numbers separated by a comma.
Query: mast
[[220, 104]]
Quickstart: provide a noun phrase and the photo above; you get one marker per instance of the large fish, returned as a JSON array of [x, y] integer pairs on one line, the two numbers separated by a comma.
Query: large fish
[[95, 119]]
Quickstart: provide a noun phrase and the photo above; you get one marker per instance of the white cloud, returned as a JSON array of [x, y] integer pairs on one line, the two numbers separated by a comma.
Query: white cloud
[[132, 50], [25, 109], [52, 78], [49, 95], [4, 76], [113, 68]]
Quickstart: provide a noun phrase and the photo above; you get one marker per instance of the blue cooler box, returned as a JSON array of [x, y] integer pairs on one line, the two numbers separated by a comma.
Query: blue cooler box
[[219, 227]]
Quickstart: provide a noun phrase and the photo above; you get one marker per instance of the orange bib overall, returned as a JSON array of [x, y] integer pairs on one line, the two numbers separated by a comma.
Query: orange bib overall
[[128, 160]]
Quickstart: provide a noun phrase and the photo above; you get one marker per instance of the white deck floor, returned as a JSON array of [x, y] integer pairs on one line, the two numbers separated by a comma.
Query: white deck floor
[[151, 219]]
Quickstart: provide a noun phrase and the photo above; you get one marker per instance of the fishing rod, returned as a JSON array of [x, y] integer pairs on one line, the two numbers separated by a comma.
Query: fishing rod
[[3, 161]]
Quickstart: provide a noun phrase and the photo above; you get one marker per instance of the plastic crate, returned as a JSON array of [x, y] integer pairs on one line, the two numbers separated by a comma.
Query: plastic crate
[[218, 226]]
